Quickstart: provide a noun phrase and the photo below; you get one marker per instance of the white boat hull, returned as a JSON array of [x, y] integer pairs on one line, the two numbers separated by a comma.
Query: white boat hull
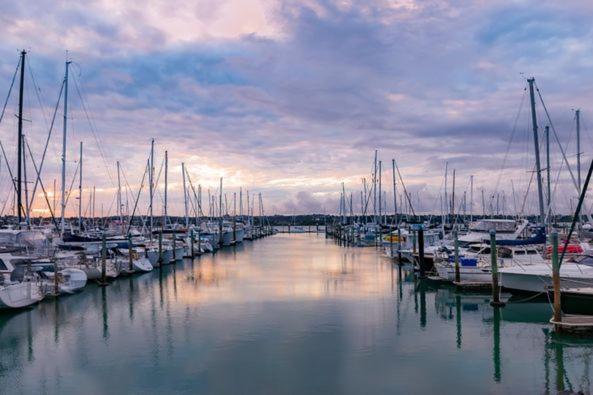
[[538, 278], [20, 295], [466, 274], [142, 265]]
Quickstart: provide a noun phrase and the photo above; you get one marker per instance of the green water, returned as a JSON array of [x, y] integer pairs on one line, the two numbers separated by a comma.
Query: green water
[[289, 314]]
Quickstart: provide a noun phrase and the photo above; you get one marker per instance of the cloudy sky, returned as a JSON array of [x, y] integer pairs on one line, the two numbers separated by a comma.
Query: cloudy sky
[[291, 98]]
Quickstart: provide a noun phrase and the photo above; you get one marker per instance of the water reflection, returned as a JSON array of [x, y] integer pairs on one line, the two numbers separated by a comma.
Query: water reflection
[[295, 313]]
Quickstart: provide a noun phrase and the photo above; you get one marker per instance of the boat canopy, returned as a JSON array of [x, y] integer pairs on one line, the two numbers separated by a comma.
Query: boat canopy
[[499, 225]]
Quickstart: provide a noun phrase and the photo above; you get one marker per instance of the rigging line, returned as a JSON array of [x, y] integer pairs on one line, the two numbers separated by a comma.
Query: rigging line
[[526, 194], [8, 197], [404, 186], [93, 128], [111, 205], [561, 149], [146, 169], [514, 130], [10, 89], [53, 218], [37, 90], [8, 166], [129, 192], [154, 189], [53, 120], [198, 208], [557, 139], [577, 212], [71, 185]]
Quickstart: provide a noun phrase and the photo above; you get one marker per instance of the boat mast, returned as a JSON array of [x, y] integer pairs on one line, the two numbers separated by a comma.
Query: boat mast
[[578, 119], [446, 204], [375, 189], [119, 201], [185, 196], [94, 201], [241, 203], [549, 188], [531, 81], [54, 197], [394, 193], [27, 211], [20, 155], [64, 130], [167, 187], [453, 199], [380, 196], [471, 198], [249, 221], [342, 205], [151, 182], [80, 191], [220, 212]]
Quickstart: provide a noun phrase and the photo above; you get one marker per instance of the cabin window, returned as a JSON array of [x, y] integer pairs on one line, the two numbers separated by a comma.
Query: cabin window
[[519, 252], [505, 253], [532, 252], [3, 265]]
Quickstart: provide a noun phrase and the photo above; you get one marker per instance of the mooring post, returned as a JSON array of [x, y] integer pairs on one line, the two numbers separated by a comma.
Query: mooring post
[[191, 242], [457, 273], [199, 242], [494, 266], [56, 283], [161, 248], [130, 251], [414, 240], [421, 252], [399, 245], [391, 244], [104, 259], [556, 280], [174, 252]]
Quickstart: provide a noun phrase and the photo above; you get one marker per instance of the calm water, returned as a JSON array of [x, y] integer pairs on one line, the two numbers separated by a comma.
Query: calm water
[[290, 314]]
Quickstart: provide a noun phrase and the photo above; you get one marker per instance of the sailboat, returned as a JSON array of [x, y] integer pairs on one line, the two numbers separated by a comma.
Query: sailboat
[[512, 250], [19, 286], [575, 273]]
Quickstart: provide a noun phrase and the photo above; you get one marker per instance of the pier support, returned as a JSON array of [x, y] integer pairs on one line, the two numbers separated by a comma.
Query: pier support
[[130, 250], [161, 249], [496, 302], [457, 272], [556, 283], [103, 282], [421, 253]]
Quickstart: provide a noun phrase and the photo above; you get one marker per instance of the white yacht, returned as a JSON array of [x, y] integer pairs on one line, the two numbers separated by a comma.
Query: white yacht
[[577, 273], [475, 262], [506, 229], [19, 285]]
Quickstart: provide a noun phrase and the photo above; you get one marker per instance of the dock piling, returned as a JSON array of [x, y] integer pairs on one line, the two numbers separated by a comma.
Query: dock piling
[[130, 250], [161, 249], [457, 272], [103, 261], [496, 302], [421, 252], [557, 307]]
